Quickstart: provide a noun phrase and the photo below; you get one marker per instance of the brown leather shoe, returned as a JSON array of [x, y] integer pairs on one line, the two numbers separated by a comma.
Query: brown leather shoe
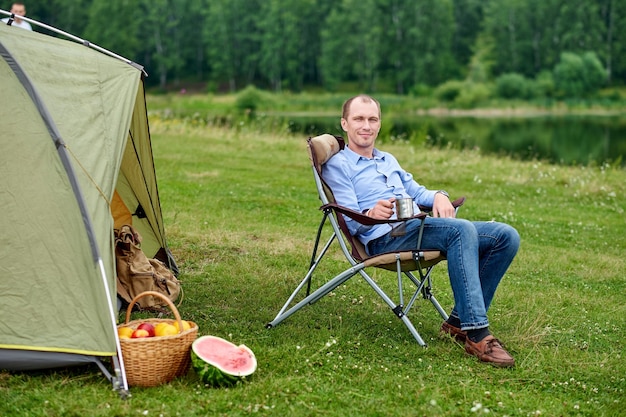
[[489, 350], [457, 333]]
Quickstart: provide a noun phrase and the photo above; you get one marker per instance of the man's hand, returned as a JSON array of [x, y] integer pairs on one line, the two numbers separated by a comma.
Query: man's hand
[[442, 207], [382, 210]]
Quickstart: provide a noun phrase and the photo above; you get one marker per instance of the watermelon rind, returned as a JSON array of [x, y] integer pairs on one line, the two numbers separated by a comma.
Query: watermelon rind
[[212, 373]]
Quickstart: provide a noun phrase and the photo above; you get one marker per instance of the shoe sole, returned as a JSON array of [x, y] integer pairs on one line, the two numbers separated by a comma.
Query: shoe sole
[[447, 332]]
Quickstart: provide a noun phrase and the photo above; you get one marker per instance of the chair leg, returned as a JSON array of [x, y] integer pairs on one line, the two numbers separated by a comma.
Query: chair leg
[[423, 286], [428, 295], [414, 332], [313, 297], [441, 311], [307, 278], [316, 260], [397, 309]]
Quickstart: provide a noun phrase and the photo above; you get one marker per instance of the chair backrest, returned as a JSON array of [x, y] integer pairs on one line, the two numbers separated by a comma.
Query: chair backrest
[[321, 149]]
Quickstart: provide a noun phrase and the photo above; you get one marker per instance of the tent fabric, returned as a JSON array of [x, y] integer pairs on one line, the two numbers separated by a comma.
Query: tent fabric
[[53, 292], [27, 360]]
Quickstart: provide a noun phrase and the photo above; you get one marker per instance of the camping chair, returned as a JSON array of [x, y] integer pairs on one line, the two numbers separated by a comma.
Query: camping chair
[[321, 149]]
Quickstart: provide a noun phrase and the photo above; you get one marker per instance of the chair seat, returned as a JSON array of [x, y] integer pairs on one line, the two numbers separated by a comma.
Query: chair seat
[[407, 260]]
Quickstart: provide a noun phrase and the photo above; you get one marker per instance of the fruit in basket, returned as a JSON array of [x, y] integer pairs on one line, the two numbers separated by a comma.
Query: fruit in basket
[[140, 333], [219, 362], [186, 325], [158, 328], [165, 329], [148, 327], [124, 332]]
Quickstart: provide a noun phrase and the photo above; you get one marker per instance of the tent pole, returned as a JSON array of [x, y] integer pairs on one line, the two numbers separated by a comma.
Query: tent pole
[[79, 40], [118, 361]]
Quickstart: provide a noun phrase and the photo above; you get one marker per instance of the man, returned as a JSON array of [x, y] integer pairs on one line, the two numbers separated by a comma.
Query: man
[[366, 179], [18, 9]]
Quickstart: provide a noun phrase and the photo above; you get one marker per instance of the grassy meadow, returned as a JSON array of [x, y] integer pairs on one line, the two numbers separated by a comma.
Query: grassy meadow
[[241, 213]]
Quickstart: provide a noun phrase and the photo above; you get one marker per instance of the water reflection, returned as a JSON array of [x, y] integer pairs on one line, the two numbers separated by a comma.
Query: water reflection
[[565, 140]]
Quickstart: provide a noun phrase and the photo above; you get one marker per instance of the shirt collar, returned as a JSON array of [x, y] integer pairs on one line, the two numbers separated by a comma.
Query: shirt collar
[[354, 157]]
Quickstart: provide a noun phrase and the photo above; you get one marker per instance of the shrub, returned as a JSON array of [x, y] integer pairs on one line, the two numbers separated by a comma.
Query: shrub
[[248, 100], [543, 86], [577, 76], [595, 75], [473, 94], [421, 90], [449, 90], [513, 85]]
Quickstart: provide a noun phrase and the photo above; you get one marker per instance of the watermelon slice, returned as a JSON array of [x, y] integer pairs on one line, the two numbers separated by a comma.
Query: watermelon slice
[[220, 363]]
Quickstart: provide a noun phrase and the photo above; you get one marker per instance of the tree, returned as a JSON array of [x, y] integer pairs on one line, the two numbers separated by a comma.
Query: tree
[[162, 37], [468, 18], [333, 62], [114, 25], [507, 24], [233, 41], [70, 16], [282, 42], [372, 44], [579, 26], [417, 39], [481, 62], [613, 15], [351, 44], [191, 42], [530, 35]]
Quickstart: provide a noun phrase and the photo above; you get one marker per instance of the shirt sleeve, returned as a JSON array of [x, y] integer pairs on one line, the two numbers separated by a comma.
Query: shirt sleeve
[[338, 179], [420, 194]]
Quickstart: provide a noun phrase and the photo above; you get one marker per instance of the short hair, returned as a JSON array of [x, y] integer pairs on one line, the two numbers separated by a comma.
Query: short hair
[[345, 111]]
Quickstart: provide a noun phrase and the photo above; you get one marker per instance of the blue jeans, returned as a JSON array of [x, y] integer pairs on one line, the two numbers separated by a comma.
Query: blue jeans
[[478, 254]]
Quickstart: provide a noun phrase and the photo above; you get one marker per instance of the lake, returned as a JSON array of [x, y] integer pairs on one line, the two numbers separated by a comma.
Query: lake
[[567, 140]]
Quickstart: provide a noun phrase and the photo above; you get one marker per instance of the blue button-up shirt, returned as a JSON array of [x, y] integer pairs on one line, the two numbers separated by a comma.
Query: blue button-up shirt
[[358, 183]]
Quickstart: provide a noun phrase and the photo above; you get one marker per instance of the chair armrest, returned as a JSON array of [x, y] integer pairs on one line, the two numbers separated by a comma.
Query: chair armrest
[[456, 204], [369, 221], [363, 219]]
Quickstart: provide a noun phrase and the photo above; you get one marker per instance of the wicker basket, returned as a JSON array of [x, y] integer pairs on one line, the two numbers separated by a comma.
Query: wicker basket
[[153, 361]]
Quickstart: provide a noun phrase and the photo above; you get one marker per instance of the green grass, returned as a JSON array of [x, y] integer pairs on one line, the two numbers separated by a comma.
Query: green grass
[[241, 214]]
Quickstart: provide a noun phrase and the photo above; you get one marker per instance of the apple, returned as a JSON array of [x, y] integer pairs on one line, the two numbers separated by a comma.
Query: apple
[[139, 333], [125, 332], [148, 327]]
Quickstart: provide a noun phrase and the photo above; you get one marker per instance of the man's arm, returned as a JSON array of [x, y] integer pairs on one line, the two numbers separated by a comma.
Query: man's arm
[[343, 191], [437, 199]]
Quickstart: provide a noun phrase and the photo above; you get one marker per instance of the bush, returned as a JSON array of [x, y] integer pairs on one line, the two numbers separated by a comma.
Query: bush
[[249, 100], [543, 86], [449, 90], [473, 94], [513, 85], [578, 76], [421, 90], [595, 75]]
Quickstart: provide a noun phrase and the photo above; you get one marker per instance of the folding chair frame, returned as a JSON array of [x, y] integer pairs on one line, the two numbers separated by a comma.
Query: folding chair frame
[[403, 263]]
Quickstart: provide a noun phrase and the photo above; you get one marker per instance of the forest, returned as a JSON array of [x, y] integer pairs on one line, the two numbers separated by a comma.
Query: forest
[[529, 47]]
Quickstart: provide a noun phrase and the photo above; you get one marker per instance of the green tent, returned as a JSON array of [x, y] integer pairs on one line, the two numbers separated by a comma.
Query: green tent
[[75, 160]]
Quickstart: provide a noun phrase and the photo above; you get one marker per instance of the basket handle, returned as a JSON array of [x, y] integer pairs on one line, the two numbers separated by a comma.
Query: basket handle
[[171, 305]]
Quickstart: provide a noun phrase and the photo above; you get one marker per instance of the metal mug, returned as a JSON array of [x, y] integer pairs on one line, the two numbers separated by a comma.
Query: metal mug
[[404, 208]]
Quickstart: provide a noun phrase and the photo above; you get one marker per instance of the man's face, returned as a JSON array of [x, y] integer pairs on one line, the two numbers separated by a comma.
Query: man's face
[[18, 10], [362, 124]]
